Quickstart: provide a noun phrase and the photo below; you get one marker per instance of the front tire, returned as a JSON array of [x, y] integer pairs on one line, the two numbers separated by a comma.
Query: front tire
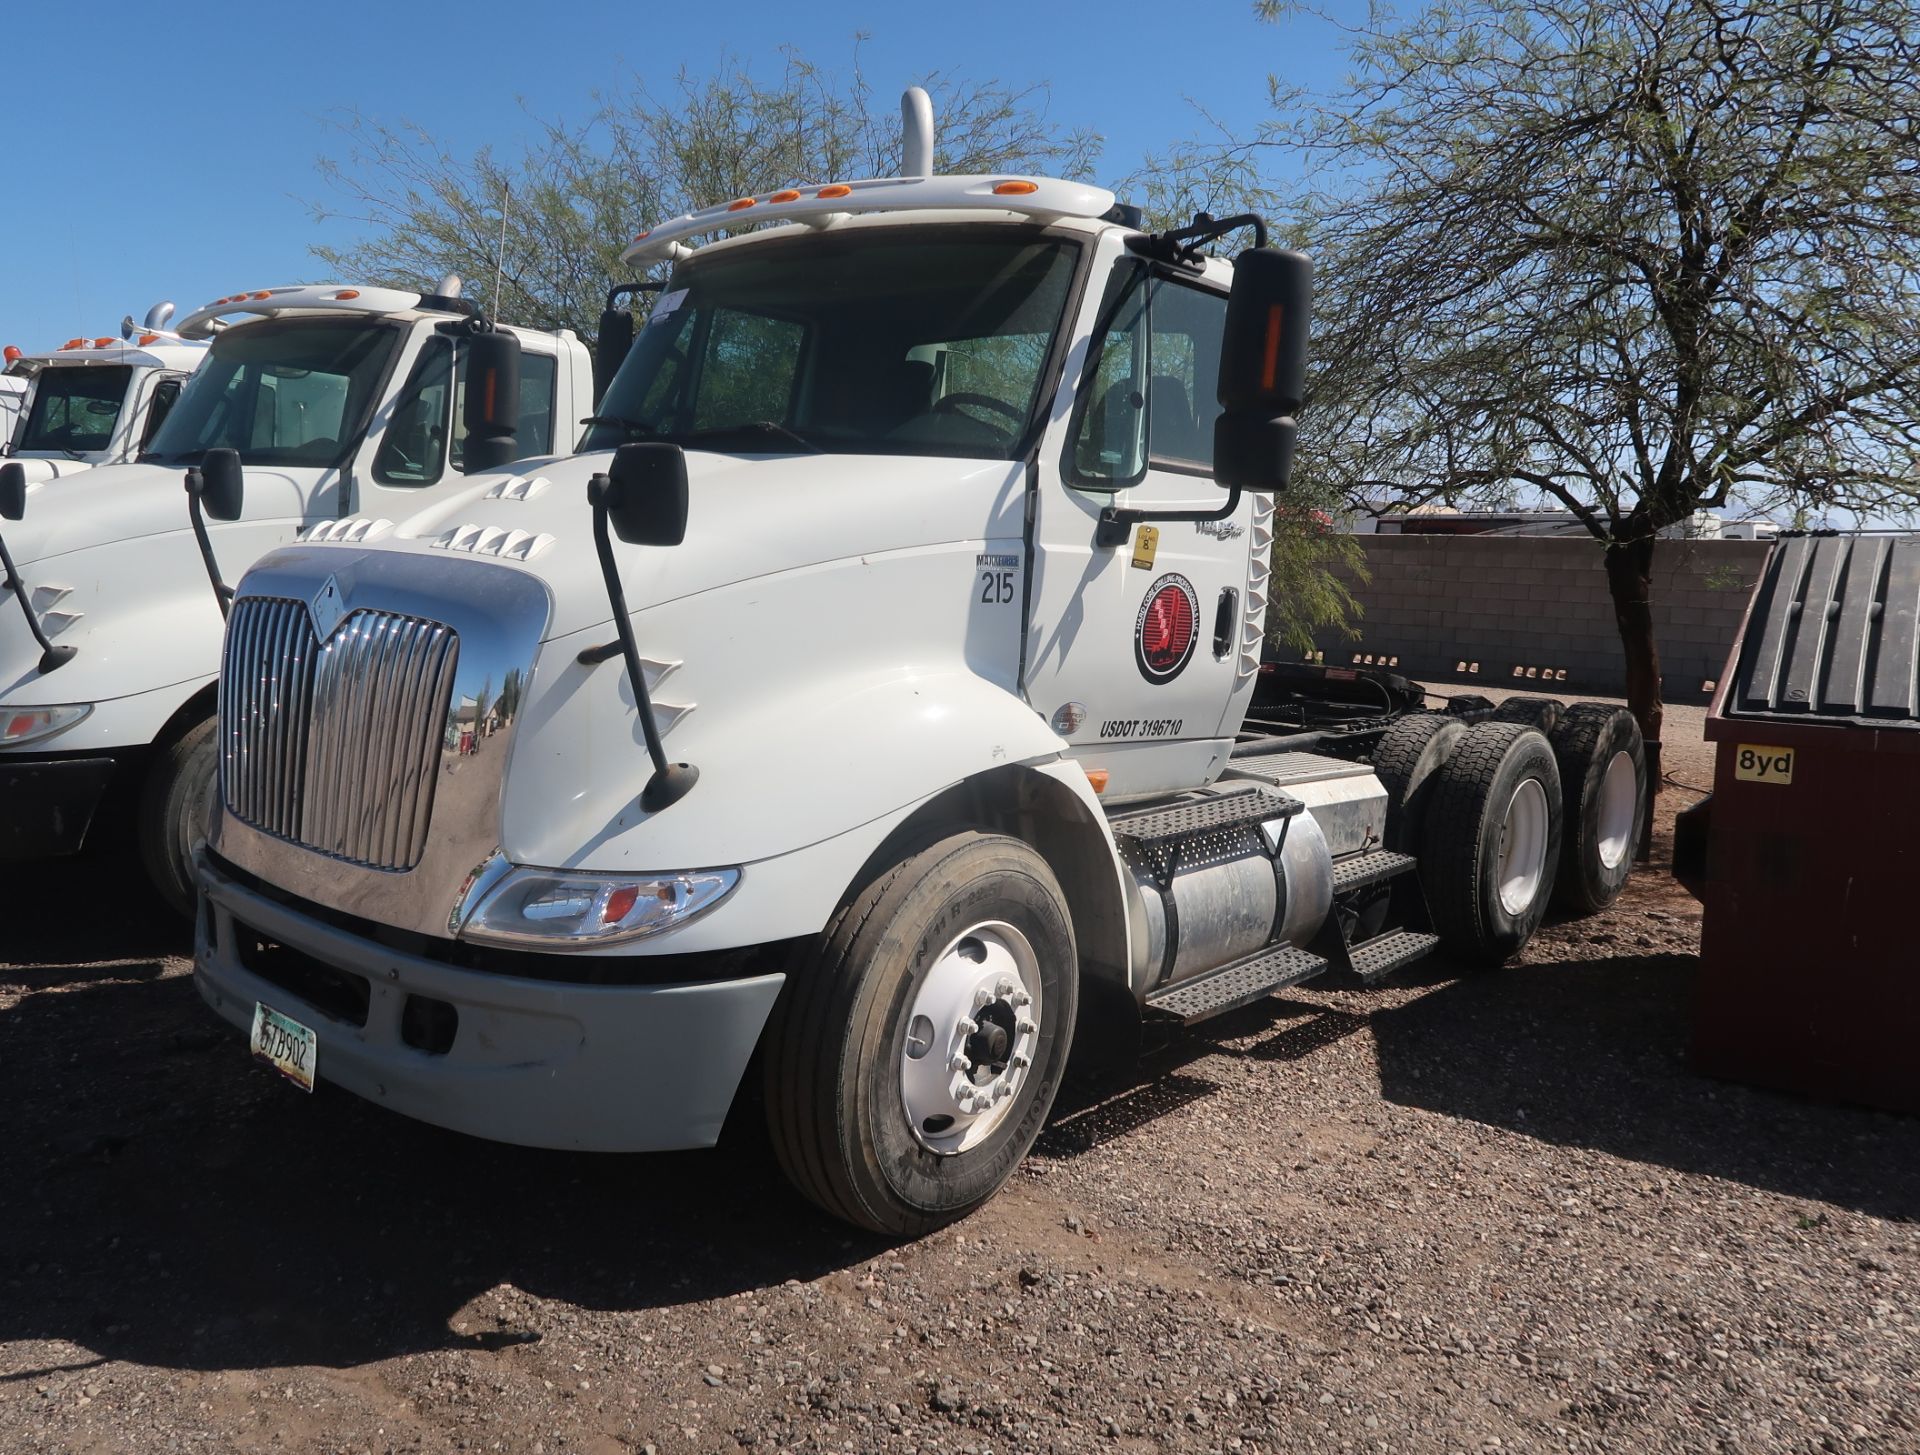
[[175, 805], [883, 1107]]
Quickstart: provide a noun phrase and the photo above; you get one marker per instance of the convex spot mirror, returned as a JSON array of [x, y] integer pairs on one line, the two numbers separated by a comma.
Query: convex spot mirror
[[222, 483], [1263, 368], [491, 411], [13, 490], [646, 494]]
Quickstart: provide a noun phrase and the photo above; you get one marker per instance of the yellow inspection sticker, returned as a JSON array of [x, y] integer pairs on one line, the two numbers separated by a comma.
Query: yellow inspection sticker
[[1146, 540], [1755, 763]]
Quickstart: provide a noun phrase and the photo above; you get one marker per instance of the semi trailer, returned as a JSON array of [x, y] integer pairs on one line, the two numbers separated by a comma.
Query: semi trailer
[[96, 401], [346, 407], [857, 731]]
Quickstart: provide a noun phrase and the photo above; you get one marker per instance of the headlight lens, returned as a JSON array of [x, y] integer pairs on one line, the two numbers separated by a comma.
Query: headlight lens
[[21, 725], [554, 909]]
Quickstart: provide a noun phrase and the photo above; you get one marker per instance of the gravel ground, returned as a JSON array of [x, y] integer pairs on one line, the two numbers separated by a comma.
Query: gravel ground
[[1486, 1212]]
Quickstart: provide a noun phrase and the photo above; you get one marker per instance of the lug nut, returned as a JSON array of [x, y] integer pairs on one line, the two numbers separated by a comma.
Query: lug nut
[[1026, 1028], [960, 1063], [982, 998], [1021, 1000], [1021, 1063], [1003, 989], [967, 1025]]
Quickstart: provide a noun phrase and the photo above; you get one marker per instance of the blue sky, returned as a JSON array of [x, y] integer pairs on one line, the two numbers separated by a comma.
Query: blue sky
[[170, 151]]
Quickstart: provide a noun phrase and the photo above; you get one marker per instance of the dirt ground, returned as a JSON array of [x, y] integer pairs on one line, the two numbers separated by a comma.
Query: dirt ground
[[1481, 1212]]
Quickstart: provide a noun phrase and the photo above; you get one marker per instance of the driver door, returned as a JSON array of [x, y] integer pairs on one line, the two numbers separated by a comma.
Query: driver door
[[1134, 651]]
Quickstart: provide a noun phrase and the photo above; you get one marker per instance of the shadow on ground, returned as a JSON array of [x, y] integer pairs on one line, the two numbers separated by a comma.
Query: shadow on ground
[[1578, 1053]]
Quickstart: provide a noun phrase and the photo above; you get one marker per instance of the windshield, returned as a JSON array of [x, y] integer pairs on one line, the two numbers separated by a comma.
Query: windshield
[[899, 341], [74, 409], [281, 392]]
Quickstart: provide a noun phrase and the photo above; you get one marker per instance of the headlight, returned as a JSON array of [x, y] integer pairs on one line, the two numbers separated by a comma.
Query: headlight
[[554, 909], [20, 725]]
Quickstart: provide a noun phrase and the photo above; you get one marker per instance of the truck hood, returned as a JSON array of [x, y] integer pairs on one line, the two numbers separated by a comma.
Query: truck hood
[[42, 468], [748, 516], [113, 503]]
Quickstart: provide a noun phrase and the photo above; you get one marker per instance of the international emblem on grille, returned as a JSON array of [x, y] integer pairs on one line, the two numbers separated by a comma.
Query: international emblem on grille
[[331, 738], [326, 609]]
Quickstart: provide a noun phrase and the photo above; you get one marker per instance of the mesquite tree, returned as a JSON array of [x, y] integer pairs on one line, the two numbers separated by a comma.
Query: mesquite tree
[[575, 196], [1637, 257]]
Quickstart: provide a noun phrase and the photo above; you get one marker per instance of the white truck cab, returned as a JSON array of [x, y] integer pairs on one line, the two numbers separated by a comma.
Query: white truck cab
[[344, 407], [866, 702], [96, 401]]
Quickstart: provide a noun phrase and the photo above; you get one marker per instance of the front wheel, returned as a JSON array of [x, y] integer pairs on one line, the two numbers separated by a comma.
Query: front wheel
[[175, 805], [914, 1056]]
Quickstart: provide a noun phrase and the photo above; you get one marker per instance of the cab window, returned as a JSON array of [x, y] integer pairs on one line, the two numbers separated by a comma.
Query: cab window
[[1151, 392], [75, 408], [165, 394], [413, 449]]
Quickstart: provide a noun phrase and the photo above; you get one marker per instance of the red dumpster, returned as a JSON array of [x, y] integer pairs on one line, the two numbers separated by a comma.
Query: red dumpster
[[1810, 963]]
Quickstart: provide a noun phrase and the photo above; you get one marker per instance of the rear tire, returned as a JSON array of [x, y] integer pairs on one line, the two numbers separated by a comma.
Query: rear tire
[[1602, 761], [176, 803], [846, 1049], [1491, 842], [1409, 753]]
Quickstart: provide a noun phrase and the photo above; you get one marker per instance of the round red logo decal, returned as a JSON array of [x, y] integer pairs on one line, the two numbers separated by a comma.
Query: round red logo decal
[[1164, 631]]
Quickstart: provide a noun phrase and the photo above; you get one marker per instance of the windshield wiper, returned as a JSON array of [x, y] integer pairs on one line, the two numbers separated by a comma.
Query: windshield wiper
[[749, 427], [621, 421]]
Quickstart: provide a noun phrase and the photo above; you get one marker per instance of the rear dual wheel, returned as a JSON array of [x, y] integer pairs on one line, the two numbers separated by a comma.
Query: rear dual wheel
[[1490, 843], [1603, 776], [913, 1058]]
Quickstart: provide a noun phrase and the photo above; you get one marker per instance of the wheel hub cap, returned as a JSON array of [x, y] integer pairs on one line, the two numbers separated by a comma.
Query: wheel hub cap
[[970, 1038], [1523, 847]]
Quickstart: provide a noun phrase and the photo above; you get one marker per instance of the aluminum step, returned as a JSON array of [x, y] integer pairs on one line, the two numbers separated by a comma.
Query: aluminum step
[[1239, 806], [1372, 868], [1235, 985], [1375, 959]]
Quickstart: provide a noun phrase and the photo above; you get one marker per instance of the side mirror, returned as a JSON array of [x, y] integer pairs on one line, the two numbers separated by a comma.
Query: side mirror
[[13, 490], [646, 494], [611, 348], [222, 483], [492, 408], [1263, 367]]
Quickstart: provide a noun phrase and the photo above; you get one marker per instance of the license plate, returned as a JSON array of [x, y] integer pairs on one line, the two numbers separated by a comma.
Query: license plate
[[285, 1045]]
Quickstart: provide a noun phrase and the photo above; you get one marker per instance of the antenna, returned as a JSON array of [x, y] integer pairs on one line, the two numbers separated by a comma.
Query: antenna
[[500, 257], [916, 133]]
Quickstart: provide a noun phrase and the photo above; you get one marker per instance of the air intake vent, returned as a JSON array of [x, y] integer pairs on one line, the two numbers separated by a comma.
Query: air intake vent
[[333, 745]]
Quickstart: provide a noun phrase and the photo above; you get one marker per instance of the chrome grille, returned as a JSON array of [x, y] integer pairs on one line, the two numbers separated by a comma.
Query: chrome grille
[[333, 745]]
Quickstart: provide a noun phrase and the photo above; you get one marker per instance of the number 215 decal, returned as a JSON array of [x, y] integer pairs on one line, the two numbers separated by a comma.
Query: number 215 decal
[[996, 579]]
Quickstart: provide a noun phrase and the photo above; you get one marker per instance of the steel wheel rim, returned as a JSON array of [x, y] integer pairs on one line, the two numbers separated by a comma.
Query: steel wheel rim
[[1523, 847], [1619, 807], [970, 1038]]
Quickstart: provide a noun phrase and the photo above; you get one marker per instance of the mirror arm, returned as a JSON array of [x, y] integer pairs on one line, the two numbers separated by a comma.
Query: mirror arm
[[222, 592], [1116, 525], [670, 781], [50, 655]]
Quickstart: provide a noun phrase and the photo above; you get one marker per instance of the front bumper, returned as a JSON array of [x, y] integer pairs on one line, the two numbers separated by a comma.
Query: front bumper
[[592, 1067], [49, 804]]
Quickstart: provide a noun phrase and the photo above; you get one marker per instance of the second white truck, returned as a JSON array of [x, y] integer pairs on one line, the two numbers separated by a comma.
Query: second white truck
[[346, 406]]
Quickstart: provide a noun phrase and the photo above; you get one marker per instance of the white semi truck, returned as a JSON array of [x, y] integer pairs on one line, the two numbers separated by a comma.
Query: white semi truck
[[863, 708], [96, 401], [344, 405]]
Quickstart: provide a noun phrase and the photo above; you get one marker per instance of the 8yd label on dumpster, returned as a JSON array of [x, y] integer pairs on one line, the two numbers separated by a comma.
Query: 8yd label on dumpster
[[1756, 764]]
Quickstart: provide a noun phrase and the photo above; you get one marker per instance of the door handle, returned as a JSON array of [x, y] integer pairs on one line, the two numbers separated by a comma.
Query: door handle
[[1225, 616]]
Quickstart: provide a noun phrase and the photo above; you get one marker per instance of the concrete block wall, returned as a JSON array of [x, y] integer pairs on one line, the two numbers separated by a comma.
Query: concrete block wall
[[1533, 612]]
